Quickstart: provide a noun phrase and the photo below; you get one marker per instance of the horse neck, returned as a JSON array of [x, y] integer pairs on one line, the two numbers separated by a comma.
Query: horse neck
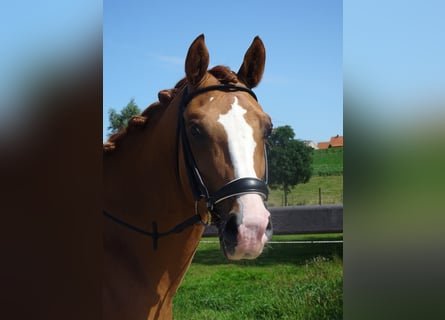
[[142, 185], [149, 167]]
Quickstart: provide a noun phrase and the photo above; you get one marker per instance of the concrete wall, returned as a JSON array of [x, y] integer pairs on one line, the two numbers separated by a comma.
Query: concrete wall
[[302, 219]]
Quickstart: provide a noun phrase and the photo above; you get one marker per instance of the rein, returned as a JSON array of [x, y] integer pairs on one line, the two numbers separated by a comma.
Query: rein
[[155, 234], [200, 191]]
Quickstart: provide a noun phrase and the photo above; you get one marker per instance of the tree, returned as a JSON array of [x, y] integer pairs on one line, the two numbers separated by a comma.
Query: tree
[[120, 120], [289, 160]]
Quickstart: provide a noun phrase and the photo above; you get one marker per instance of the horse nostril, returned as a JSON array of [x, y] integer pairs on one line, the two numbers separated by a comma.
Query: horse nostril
[[269, 229], [231, 230]]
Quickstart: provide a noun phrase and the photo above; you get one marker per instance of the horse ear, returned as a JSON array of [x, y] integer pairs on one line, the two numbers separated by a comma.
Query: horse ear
[[197, 61], [251, 71]]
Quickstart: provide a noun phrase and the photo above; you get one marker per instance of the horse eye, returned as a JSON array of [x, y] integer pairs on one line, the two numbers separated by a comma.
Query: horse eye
[[268, 131], [195, 131]]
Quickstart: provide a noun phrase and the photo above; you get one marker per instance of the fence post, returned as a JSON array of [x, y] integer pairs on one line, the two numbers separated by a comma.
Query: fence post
[[319, 196]]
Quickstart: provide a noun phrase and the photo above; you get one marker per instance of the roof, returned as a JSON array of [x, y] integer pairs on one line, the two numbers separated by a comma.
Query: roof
[[323, 145], [336, 141]]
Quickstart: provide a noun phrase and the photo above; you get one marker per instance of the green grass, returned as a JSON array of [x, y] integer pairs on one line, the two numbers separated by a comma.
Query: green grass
[[307, 193], [328, 162], [288, 281], [327, 175]]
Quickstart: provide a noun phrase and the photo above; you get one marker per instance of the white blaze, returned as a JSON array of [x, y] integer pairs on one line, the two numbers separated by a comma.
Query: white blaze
[[240, 139], [252, 217]]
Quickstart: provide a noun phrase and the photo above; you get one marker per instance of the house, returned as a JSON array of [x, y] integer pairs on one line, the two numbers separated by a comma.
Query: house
[[311, 144], [335, 142]]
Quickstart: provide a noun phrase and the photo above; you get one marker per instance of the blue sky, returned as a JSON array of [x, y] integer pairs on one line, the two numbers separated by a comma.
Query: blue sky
[[145, 44], [391, 52]]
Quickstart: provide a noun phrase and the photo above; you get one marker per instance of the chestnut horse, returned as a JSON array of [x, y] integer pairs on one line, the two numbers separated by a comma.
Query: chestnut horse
[[197, 155]]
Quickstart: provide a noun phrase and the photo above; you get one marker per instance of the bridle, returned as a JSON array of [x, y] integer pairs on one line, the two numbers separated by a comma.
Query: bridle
[[247, 185], [231, 189]]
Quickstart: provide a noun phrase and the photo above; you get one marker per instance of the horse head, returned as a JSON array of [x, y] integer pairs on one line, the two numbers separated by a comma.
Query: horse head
[[225, 130]]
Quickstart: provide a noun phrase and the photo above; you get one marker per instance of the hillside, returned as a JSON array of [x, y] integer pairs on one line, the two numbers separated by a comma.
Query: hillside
[[327, 179], [328, 162], [331, 188]]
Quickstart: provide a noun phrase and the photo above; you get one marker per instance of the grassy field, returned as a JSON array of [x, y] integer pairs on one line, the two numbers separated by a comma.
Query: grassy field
[[328, 162], [288, 281], [327, 175], [307, 194]]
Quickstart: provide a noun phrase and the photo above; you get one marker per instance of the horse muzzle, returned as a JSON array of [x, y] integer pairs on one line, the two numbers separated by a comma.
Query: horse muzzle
[[247, 229]]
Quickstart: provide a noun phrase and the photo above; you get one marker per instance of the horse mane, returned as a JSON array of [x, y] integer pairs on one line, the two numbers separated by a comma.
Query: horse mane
[[222, 73]]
